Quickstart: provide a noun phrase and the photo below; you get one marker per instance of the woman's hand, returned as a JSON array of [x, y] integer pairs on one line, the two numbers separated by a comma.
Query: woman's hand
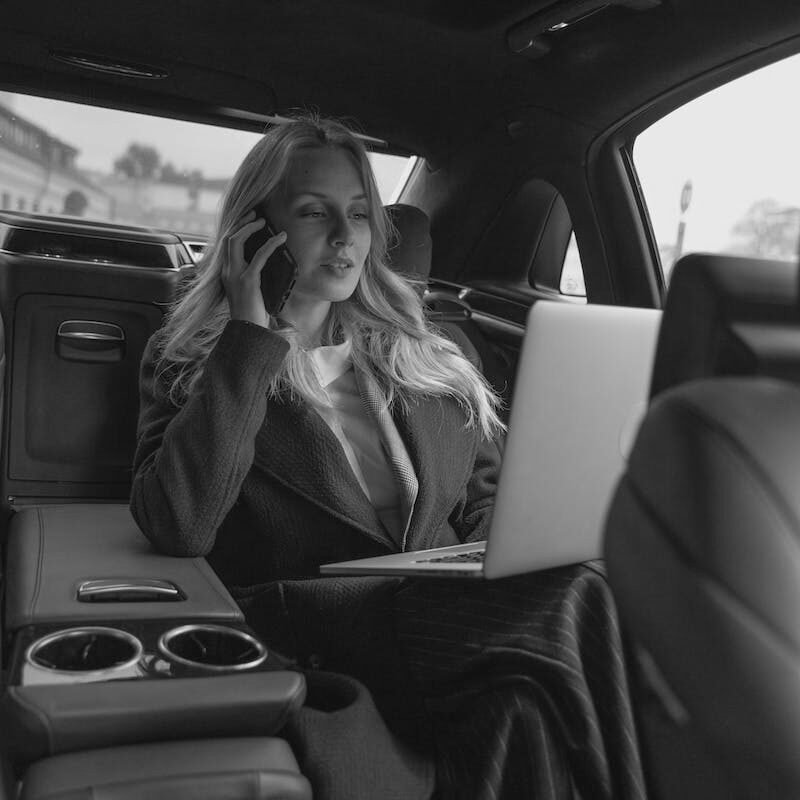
[[242, 281]]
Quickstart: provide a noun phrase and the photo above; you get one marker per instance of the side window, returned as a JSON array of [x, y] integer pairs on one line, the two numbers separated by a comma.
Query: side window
[[556, 265], [722, 173], [141, 171], [572, 283], [391, 174]]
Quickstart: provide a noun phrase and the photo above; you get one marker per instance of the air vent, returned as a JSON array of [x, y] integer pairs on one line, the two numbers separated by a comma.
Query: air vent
[[67, 246]]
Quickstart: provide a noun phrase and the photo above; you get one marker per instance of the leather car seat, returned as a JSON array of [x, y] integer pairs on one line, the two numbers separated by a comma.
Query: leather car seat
[[410, 252], [234, 769], [703, 556], [728, 315], [702, 536]]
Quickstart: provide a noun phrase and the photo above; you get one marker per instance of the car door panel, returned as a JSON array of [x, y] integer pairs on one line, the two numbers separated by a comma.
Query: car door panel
[[76, 326]]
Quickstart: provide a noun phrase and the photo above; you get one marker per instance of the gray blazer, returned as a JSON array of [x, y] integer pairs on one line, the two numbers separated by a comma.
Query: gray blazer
[[262, 487]]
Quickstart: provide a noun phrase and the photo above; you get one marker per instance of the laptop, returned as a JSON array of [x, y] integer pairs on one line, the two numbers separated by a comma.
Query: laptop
[[582, 387]]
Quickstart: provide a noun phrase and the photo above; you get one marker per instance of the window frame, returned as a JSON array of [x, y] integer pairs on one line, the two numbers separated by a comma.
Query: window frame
[[611, 157]]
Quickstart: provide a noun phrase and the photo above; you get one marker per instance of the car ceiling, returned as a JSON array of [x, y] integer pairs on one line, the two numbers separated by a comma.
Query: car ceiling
[[422, 74]]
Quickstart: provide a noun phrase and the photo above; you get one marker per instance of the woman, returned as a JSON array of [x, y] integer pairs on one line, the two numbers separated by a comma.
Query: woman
[[347, 427]]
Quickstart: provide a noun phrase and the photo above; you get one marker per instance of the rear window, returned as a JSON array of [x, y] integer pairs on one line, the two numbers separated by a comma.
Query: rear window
[[60, 158]]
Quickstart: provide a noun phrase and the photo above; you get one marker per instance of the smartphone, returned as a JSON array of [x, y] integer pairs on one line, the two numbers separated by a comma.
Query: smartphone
[[280, 271]]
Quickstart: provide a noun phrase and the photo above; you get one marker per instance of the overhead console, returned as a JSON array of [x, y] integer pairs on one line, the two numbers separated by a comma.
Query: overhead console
[[111, 643]]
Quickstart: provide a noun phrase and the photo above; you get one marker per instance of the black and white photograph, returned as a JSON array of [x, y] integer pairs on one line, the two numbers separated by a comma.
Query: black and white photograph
[[399, 400]]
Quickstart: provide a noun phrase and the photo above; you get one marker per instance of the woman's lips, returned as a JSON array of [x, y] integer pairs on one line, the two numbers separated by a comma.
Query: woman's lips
[[339, 266]]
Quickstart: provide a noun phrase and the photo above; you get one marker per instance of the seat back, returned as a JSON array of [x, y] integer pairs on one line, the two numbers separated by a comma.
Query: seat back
[[410, 252], [702, 543], [702, 536], [729, 315]]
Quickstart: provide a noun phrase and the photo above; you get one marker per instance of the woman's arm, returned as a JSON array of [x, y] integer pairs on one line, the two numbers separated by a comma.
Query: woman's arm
[[190, 462], [476, 512]]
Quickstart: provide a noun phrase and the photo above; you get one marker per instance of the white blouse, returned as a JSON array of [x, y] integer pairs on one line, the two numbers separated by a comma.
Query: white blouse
[[358, 434]]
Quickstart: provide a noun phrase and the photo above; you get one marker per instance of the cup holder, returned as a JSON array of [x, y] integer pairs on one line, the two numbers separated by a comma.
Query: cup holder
[[85, 650], [213, 648]]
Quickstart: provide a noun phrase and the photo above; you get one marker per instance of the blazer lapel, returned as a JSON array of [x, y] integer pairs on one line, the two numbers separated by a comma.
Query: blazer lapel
[[443, 454], [297, 448], [396, 453]]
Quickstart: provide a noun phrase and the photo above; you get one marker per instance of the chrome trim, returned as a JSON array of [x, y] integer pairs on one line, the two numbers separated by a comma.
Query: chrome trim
[[144, 586], [103, 337], [165, 639], [100, 63], [69, 633], [73, 260], [113, 333]]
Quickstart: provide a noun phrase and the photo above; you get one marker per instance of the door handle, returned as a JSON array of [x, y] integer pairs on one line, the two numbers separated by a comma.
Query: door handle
[[446, 307], [90, 340]]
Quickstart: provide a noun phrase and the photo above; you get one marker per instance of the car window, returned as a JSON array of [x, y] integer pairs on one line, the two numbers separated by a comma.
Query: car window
[[722, 175], [572, 282], [65, 158]]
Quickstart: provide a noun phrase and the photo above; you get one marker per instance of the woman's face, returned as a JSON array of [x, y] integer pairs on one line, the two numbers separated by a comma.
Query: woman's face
[[323, 208]]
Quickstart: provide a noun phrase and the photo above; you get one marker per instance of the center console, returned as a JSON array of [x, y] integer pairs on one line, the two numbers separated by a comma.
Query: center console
[[113, 644]]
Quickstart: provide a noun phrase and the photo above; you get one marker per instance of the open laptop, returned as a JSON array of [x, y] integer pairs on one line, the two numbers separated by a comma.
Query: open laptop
[[582, 387]]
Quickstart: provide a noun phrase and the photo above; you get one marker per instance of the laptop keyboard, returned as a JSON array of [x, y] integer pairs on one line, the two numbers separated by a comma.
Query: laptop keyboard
[[471, 557]]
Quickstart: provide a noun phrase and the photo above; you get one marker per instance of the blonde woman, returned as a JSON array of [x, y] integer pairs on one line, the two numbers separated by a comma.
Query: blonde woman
[[344, 427]]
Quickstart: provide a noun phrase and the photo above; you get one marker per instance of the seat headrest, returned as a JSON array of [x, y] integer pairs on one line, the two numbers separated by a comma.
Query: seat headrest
[[702, 547], [410, 251], [728, 315]]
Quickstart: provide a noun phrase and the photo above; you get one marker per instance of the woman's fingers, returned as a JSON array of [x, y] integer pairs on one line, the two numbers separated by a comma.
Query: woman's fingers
[[236, 240], [261, 256], [242, 280]]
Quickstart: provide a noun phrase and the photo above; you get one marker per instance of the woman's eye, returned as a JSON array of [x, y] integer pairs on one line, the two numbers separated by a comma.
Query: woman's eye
[[313, 214], [360, 215]]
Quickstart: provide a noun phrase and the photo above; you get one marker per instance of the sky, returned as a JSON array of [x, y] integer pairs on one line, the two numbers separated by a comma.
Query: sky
[[737, 144]]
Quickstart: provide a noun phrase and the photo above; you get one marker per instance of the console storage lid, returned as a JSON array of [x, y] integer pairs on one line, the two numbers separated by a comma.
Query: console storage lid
[[54, 550], [256, 768], [42, 721]]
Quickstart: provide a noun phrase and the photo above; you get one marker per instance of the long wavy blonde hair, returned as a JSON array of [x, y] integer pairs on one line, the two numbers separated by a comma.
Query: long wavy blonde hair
[[384, 317]]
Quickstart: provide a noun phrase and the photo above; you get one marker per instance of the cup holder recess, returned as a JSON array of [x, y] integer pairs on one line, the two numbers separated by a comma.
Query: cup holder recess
[[85, 650], [213, 648]]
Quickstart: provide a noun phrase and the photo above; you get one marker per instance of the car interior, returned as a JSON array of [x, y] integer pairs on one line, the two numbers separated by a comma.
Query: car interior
[[133, 674]]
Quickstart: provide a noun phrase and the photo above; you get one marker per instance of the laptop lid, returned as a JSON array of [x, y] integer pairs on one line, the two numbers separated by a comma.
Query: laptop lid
[[581, 389]]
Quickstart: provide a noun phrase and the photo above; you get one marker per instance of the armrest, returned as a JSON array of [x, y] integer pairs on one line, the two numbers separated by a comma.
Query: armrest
[[46, 720], [53, 549], [258, 768]]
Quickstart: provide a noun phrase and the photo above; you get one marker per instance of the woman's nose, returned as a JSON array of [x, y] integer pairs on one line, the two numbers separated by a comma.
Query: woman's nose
[[341, 233]]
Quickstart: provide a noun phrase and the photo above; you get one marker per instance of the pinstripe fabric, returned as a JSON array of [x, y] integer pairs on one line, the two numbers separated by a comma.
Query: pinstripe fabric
[[526, 682], [402, 468], [516, 688]]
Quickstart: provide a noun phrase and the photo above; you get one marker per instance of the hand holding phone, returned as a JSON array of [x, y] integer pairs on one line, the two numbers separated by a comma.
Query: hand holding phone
[[279, 273]]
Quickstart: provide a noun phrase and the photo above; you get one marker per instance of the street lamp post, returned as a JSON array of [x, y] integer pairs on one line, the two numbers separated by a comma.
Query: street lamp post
[[686, 199]]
